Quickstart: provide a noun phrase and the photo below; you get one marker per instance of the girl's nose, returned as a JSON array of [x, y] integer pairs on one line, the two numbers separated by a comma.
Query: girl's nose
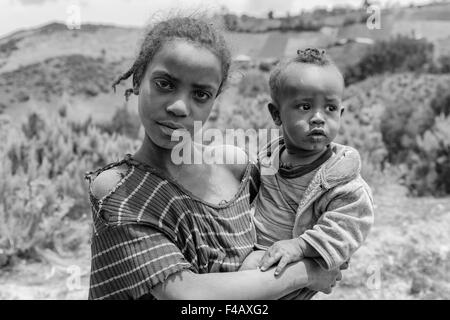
[[178, 108], [317, 119]]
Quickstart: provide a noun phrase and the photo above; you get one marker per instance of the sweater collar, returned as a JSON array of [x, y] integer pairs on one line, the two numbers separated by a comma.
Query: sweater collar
[[344, 164]]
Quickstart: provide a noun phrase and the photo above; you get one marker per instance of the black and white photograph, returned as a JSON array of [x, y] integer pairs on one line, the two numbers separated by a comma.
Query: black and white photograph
[[225, 150]]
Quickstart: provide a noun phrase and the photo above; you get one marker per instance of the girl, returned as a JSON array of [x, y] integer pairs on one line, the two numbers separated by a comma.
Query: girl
[[169, 231]]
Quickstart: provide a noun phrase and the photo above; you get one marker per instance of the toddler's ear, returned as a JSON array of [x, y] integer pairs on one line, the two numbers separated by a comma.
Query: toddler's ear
[[275, 113]]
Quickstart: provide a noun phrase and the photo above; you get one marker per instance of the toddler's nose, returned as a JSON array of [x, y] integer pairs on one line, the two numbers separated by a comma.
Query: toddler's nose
[[317, 119]]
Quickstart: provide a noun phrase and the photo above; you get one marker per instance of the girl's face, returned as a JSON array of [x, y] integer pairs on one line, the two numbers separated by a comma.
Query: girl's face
[[179, 87]]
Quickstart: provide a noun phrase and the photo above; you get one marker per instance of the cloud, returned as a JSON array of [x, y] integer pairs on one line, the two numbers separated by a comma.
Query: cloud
[[34, 2]]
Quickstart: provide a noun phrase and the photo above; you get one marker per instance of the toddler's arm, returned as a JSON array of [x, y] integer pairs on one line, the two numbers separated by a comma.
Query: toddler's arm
[[285, 252], [344, 225], [339, 232]]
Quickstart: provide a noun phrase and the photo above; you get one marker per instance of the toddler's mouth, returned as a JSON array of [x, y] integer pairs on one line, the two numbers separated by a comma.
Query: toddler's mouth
[[317, 132]]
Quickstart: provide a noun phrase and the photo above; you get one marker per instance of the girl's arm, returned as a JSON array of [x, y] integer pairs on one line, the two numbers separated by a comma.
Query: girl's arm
[[246, 285]]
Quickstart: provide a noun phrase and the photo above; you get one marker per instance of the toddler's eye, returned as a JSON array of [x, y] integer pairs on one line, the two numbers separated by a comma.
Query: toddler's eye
[[164, 84], [304, 106], [331, 107], [201, 96]]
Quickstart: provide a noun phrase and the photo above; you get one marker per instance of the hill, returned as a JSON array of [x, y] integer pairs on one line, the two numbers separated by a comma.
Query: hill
[[52, 65], [55, 39]]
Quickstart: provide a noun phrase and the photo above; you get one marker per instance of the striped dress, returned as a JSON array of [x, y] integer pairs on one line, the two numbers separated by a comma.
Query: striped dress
[[149, 227]]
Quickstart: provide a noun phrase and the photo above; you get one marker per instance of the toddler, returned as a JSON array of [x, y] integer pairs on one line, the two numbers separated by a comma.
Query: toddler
[[315, 203]]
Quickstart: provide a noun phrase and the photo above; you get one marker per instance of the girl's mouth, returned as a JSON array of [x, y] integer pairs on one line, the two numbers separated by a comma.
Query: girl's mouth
[[171, 124], [166, 130], [168, 127]]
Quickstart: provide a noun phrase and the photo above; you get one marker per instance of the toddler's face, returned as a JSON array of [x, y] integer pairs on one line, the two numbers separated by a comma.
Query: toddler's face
[[310, 105], [179, 87]]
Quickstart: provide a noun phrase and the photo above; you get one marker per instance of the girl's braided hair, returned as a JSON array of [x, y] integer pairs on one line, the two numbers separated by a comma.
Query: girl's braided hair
[[196, 30]]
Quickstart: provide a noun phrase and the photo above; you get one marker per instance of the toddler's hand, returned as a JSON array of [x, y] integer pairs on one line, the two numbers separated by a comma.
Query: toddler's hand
[[284, 251]]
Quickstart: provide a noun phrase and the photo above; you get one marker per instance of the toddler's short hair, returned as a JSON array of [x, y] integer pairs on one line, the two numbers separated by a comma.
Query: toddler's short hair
[[309, 56]]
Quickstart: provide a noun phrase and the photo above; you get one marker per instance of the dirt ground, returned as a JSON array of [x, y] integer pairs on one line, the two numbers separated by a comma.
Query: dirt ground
[[53, 278]]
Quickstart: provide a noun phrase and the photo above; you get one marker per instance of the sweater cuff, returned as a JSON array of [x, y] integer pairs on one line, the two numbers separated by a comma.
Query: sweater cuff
[[326, 261]]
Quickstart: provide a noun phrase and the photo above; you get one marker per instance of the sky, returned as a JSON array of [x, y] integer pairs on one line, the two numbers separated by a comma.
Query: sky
[[20, 14]]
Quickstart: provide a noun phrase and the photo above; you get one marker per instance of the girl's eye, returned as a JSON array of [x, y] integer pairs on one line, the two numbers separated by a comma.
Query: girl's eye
[[164, 84], [304, 106], [201, 96]]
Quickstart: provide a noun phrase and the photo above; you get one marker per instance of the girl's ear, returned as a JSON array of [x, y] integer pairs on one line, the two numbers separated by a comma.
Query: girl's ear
[[275, 113]]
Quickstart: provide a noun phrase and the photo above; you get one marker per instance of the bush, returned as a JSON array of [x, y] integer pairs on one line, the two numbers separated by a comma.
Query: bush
[[444, 64], [244, 113], [441, 102], [412, 104], [402, 53], [413, 131], [123, 122], [265, 66], [430, 164], [42, 169], [253, 84], [31, 214], [401, 124]]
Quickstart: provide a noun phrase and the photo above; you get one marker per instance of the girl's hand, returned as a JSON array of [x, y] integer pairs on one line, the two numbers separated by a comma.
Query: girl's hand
[[252, 260], [283, 252], [320, 279]]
